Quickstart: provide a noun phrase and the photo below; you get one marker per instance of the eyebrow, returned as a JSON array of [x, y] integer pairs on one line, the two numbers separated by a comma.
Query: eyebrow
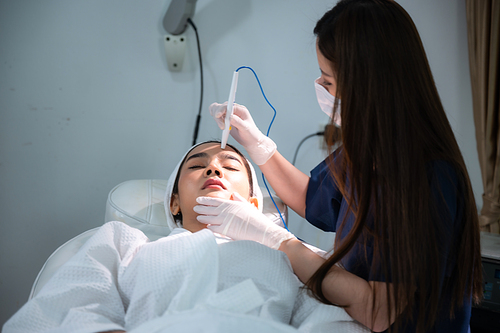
[[326, 74], [231, 157], [197, 155], [205, 155]]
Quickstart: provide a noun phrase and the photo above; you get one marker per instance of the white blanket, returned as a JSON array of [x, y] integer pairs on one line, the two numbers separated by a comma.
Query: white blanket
[[186, 282]]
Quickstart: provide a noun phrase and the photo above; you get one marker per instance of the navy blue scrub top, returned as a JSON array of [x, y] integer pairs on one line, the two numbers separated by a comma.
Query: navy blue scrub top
[[326, 208]]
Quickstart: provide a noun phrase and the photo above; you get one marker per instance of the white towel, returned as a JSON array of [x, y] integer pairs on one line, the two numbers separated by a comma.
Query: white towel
[[195, 281]]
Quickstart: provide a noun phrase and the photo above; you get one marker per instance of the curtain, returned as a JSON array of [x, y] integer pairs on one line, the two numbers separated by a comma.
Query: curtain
[[483, 28]]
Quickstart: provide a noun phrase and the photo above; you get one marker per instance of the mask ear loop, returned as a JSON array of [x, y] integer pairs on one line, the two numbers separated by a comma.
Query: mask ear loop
[[267, 134]]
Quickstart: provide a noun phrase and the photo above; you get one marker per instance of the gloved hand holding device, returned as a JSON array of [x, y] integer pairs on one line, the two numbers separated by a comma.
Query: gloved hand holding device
[[259, 147], [240, 220]]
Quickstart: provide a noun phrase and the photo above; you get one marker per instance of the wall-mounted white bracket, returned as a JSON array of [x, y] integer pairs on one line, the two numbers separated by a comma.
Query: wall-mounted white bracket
[[175, 48]]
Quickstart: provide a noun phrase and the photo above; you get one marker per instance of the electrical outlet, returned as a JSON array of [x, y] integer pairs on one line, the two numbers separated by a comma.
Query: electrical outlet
[[175, 48]]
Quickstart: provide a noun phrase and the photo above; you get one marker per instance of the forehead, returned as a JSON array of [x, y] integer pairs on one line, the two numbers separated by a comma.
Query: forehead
[[213, 149]]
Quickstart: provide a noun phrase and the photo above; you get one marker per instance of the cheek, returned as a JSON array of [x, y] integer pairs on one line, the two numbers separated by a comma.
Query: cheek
[[187, 190], [240, 185]]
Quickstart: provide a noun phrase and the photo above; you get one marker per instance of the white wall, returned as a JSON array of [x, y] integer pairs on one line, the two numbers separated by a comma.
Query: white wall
[[87, 102]]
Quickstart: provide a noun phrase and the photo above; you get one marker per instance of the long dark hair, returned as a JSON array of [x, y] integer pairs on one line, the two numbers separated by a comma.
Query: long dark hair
[[393, 127]]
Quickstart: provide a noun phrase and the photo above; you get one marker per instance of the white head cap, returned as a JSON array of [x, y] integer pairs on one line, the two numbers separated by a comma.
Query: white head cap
[[171, 180]]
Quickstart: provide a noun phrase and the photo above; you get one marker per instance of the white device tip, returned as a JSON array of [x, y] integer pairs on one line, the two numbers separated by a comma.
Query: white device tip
[[229, 110]]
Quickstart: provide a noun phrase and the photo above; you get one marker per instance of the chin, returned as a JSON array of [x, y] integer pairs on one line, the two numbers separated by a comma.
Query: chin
[[219, 194]]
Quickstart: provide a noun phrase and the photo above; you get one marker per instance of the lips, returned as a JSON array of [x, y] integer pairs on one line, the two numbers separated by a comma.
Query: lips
[[213, 183]]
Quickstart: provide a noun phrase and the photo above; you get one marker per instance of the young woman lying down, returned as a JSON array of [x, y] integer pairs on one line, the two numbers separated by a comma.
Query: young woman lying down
[[193, 280]]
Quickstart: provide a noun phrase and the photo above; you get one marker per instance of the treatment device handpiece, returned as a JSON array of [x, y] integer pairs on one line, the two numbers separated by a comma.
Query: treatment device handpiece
[[229, 110]]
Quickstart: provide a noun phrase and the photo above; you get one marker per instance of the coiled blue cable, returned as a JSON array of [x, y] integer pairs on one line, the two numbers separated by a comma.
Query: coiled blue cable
[[267, 134]]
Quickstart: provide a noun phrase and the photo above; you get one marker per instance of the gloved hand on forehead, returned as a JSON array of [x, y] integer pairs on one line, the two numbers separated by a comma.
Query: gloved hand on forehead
[[240, 220], [260, 148]]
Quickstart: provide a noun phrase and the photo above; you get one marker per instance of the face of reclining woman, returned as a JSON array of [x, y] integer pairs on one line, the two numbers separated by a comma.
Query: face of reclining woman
[[209, 171]]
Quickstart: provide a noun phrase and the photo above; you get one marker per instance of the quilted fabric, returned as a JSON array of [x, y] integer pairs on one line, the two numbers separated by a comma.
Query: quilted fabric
[[121, 280]]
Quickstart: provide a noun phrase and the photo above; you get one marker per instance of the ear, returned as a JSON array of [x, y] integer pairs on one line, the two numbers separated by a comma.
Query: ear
[[175, 207], [254, 201]]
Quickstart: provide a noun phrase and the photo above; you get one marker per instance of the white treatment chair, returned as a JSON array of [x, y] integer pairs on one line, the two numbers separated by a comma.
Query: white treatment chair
[[138, 203]]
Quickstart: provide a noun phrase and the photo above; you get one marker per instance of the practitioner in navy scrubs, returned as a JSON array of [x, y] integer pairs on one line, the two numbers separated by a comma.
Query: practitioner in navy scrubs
[[396, 192]]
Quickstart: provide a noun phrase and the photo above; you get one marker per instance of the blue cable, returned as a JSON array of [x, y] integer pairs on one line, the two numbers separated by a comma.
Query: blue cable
[[268, 129]]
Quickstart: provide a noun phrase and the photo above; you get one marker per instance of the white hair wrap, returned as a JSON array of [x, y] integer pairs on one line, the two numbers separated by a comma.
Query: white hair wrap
[[171, 180]]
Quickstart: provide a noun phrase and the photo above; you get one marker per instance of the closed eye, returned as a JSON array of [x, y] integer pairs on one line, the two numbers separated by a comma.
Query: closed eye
[[196, 167], [324, 82]]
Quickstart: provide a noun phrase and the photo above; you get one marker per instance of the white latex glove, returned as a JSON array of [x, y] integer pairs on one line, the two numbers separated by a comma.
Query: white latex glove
[[240, 220], [259, 147]]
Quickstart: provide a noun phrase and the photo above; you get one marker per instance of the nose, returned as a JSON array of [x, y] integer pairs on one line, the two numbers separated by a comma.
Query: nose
[[212, 169]]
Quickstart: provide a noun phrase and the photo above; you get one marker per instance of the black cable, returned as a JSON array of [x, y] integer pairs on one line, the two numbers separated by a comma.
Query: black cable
[[197, 125], [303, 140]]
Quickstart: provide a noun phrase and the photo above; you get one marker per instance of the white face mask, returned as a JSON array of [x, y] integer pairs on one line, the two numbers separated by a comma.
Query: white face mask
[[326, 102]]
